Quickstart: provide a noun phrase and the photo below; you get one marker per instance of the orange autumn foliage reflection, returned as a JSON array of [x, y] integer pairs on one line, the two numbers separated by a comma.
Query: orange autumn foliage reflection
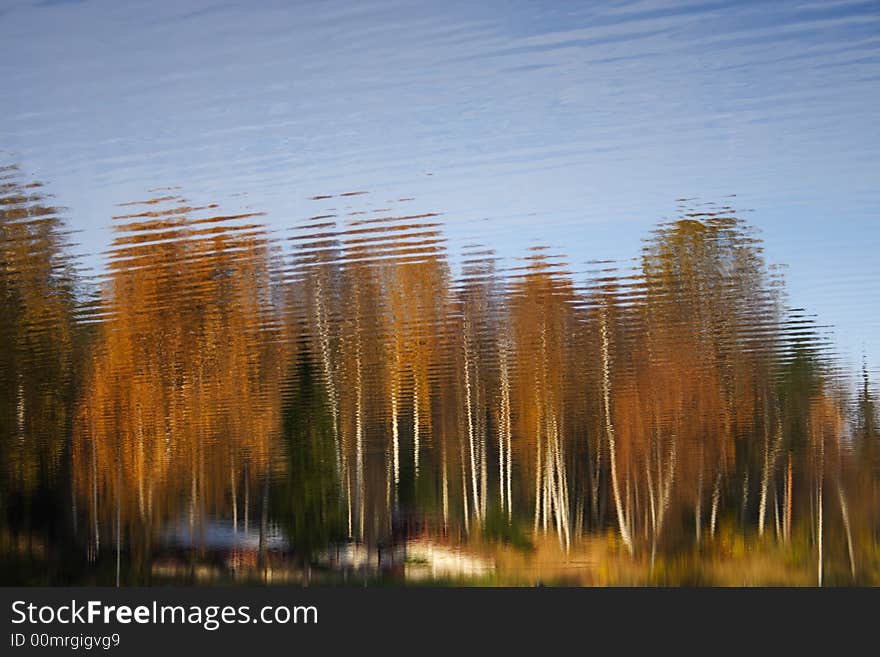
[[181, 405]]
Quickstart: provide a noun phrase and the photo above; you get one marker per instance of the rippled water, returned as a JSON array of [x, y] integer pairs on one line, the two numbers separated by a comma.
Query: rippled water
[[364, 292]]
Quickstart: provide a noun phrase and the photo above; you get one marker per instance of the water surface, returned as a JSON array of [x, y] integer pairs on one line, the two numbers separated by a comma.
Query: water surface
[[517, 293]]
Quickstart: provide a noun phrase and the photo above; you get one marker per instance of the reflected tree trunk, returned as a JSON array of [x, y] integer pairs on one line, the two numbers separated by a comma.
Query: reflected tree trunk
[[622, 520]]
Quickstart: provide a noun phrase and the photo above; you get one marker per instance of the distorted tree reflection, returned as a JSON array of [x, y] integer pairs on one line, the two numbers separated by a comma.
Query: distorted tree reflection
[[231, 396], [40, 342], [181, 408]]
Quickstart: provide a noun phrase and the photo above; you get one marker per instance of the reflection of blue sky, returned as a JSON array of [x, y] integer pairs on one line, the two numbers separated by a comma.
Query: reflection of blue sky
[[575, 124]]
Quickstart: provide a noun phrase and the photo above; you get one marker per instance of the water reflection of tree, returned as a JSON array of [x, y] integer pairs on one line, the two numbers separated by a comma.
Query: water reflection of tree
[[306, 499], [181, 407], [40, 344], [356, 389]]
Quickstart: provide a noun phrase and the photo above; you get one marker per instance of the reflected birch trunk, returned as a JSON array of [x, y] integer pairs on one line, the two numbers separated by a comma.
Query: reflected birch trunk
[[844, 511], [622, 520]]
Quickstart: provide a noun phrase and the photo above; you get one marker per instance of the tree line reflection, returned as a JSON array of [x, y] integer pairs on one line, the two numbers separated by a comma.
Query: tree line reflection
[[351, 380]]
